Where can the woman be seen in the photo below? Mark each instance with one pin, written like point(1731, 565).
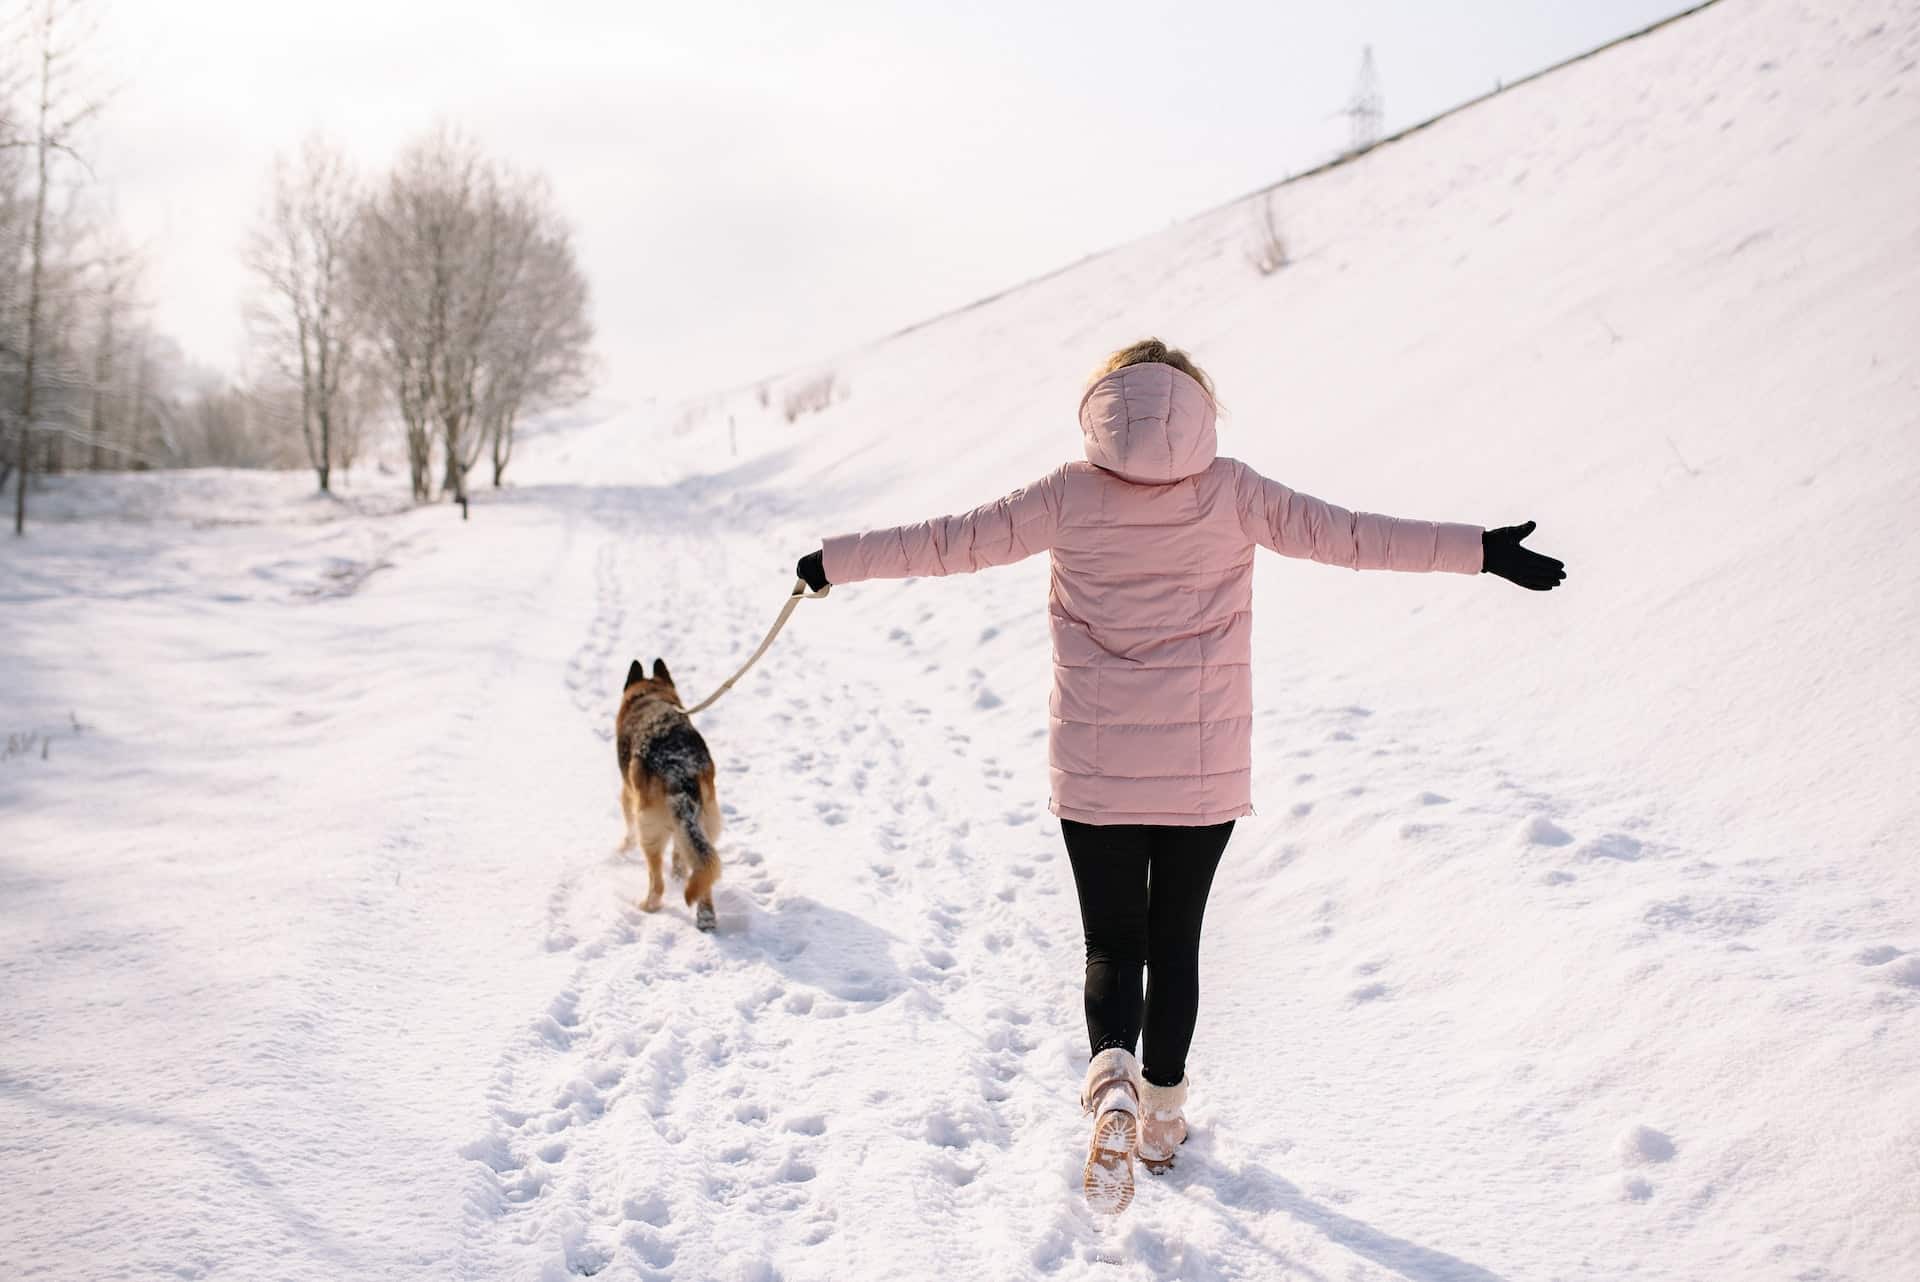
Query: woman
point(1150, 743)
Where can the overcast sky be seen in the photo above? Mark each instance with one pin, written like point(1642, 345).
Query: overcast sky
point(757, 185)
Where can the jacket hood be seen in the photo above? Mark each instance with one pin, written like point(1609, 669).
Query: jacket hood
point(1148, 423)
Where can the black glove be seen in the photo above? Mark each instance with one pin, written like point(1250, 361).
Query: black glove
point(1504, 556)
point(813, 570)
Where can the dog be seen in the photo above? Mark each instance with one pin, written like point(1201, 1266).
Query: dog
point(666, 789)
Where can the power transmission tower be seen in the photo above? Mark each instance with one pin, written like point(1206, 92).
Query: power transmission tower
point(1364, 110)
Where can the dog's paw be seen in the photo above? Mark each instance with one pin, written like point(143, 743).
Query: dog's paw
point(703, 917)
point(651, 904)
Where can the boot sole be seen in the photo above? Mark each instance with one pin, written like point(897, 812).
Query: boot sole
point(1108, 1179)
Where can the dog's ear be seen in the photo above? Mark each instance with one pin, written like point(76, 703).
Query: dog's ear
point(660, 672)
point(635, 675)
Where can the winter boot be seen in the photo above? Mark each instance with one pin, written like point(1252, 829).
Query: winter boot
point(1163, 1124)
point(1112, 1095)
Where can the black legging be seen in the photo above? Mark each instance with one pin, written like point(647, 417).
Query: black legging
point(1143, 890)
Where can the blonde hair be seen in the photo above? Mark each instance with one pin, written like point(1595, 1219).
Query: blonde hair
point(1153, 351)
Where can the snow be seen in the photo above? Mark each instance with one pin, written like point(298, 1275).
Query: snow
point(1576, 936)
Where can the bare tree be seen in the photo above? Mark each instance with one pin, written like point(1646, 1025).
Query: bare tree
point(141, 428)
point(299, 252)
point(360, 402)
point(474, 302)
point(410, 262)
point(537, 356)
point(118, 283)
point(500, 243)
point(56, 115)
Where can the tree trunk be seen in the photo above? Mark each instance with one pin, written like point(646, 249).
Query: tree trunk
point(419, 459)
point(102, 374)
point(326, 410)
point(325, 466)
point(137, 416)
point(502, 445)
point(456, 481)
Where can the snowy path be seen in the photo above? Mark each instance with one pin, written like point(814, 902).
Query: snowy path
point(886, 1025)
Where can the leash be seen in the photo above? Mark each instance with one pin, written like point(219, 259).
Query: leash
point(794, 598)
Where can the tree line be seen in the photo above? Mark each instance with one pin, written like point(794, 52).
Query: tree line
point(441, 300)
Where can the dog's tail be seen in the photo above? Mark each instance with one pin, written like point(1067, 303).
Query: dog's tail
point(703, 862)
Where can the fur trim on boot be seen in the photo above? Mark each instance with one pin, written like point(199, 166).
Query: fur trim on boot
point(1163, 1123)
point(1112, 1094)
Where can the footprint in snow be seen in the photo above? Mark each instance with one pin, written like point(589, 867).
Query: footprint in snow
point(794, 1171)
point(655, 1251)
point(1641, 1145)
point(585, 1258)
point(1612, 845)
point(1542, 831)
point(648, 1209)
point(1904, 972)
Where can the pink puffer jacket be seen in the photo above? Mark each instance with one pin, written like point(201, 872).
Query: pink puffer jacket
point(1152, 595)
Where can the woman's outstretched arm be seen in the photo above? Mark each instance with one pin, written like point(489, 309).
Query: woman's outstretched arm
point(1295, 524)
point(1008, 529)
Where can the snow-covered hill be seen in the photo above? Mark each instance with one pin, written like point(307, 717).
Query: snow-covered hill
point(1577, 936)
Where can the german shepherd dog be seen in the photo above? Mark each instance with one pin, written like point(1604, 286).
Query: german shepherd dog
point(666, 789)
